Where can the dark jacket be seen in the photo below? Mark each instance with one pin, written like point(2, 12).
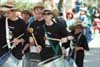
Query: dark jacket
point(17, 28)
point(79, 41)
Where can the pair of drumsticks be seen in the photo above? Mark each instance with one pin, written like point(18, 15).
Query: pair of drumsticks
point(12, 42)
point(31, 31)
point(33, 36)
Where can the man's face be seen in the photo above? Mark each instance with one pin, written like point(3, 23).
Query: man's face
point(38, 13)
point(47, 16)
point(10, 13)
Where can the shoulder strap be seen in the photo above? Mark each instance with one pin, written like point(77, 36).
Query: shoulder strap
point(54, 20)
point(71, 42)
point(54, 48)
point(7, 34)
point(79, 37)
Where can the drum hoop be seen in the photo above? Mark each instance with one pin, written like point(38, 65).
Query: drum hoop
point(50, 60)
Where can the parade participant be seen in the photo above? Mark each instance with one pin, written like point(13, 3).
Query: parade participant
point(70, 20)
point(26, 14)
point(84, 20)
point(37, 23)
point(96, 24)
point(60, 19)
point(34, 30)
point(96, 20)
point(79, 45)
point(11, 38)
point(78, 5)
point(54, 32)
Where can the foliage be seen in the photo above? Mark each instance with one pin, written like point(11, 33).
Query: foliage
point(99, 3)
point(60, 5)
point(24, 6)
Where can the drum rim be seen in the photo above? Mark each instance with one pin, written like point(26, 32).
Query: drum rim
point(50, 59)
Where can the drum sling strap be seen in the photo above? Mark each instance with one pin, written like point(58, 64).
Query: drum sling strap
point(55, 48)
point(73, 45)
point(76, 45)
point(7, 36)
point(74, 51)
point(5, 56)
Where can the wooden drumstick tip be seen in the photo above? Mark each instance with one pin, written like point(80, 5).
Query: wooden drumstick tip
point(30, 30)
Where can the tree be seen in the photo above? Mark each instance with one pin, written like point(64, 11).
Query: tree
point(60, 5)
point(99, 3)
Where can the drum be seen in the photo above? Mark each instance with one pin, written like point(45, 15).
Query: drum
point(57, 61)
point(31, 60)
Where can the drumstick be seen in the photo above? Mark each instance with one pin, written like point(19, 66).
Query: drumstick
point(54, 39)
point(11, 42)
point(31, 31)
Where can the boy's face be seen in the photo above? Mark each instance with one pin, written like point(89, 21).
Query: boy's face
point(78, 30)
point(25, 17)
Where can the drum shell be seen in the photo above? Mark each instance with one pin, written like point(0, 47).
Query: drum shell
point(31, 60)
point(57, 61)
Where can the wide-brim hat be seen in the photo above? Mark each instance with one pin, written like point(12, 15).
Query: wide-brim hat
point(76, 26)
point(7, 7)
point(79, 26)
point(39, 5)
point(48, 11)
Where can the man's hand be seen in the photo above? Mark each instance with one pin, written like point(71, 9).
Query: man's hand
point(64, 52)
point(16, 41)
point(79, 48)
point(31, 41)
point(70, 37)
point(23, 52)
point(64, 40)
point(38, 48)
